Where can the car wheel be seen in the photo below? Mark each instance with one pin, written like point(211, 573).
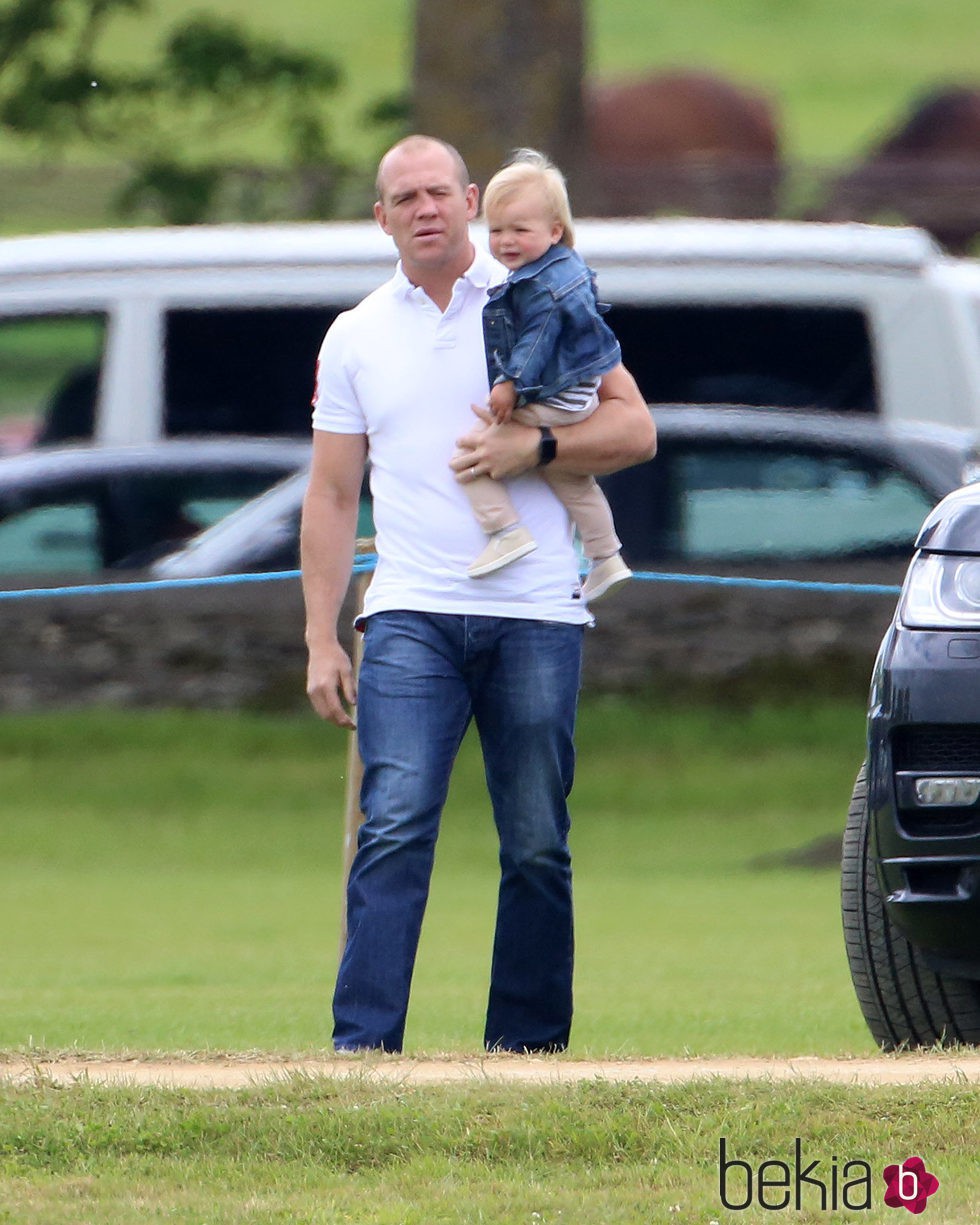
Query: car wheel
point(905, 1003)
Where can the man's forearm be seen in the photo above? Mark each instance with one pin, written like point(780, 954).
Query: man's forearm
point(614, 437)
point(326, 559)
point(619, 434)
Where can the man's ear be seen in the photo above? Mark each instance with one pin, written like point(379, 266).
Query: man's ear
point(380, 216)
point(472, 201)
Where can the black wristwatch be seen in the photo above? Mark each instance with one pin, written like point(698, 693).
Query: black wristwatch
point(547, 447)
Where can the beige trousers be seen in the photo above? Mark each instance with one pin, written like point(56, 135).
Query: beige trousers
point(580, 495)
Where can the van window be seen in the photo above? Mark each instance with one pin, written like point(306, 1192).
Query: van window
point(764, 502)
point(242, 371)
point(59, 537)
point(88, 523)
point(790, 356)
point(786, 504)
point(49, 375)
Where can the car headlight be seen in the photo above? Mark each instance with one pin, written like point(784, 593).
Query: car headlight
point(941, 591)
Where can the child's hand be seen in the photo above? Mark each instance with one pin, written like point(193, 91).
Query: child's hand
point(501, 401)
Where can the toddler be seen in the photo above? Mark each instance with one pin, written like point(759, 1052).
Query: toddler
point(547, 349)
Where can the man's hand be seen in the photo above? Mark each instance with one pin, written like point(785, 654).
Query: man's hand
point(330, 685)
point(495, 450)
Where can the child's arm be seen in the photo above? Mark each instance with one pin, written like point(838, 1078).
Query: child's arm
point(538, 320)
point(502, 400)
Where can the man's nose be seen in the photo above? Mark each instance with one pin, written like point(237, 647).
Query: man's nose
point(426, 202)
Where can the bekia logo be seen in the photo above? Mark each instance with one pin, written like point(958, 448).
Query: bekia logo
point(827, 1186)
point(793, 1184)
point(909, 1185)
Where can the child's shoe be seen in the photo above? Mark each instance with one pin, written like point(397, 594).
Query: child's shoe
point(604, 575)
point(503, 548)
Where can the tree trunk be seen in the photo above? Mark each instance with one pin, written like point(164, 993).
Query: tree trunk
point(495, 75)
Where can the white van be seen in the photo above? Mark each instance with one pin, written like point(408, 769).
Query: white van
point(126, 336)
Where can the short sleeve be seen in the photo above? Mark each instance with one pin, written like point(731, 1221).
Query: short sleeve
point(335, 403)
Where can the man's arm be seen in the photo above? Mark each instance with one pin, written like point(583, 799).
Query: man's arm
point(327, 535)
point(619, 434)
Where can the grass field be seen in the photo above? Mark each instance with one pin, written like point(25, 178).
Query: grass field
point(171, 882)
point(595, 1154)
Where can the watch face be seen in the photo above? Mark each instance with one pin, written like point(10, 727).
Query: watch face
point(547, 447)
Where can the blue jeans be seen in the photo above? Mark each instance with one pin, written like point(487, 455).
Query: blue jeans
point(423, 677)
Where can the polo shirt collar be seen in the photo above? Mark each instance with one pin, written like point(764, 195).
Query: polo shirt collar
point(483, 272)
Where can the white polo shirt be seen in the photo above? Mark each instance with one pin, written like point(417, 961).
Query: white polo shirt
point(403, 373)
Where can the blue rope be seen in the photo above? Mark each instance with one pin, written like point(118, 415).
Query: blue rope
point(365, 563)
point(788, 584)
point(163, 584)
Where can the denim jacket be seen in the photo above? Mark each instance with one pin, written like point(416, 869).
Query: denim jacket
point(542, 327)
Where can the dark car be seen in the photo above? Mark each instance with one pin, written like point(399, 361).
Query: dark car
point(911, 866)
point(75, 511)
point(728, 487)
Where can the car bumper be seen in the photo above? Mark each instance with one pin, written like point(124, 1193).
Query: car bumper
point(924, 726)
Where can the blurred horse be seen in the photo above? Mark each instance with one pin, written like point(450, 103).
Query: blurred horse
point(681, 141)
point(925, 172)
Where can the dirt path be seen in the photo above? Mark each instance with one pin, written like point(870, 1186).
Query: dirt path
point(233, 1072)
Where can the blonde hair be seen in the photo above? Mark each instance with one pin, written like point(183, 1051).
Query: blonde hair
point(529, 168)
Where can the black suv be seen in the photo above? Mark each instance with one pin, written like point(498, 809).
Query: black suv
point(911, 862)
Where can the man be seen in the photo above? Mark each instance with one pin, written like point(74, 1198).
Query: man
point(398, 379)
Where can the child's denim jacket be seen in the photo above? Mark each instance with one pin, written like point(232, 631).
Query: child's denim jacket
point(542, 327)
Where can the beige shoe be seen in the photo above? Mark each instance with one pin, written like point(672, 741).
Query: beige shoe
point(604, 575)
point(503, 548)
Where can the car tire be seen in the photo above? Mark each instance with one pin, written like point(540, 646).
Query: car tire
point(904, 1002)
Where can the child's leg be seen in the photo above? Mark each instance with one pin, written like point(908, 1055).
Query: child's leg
point(495, 513)
point(580, 495)
point(589, 511)
point(586, 505)
point(491, 504)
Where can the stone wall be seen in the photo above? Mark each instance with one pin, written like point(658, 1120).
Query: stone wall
point(241, 646)
point(738, 643)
